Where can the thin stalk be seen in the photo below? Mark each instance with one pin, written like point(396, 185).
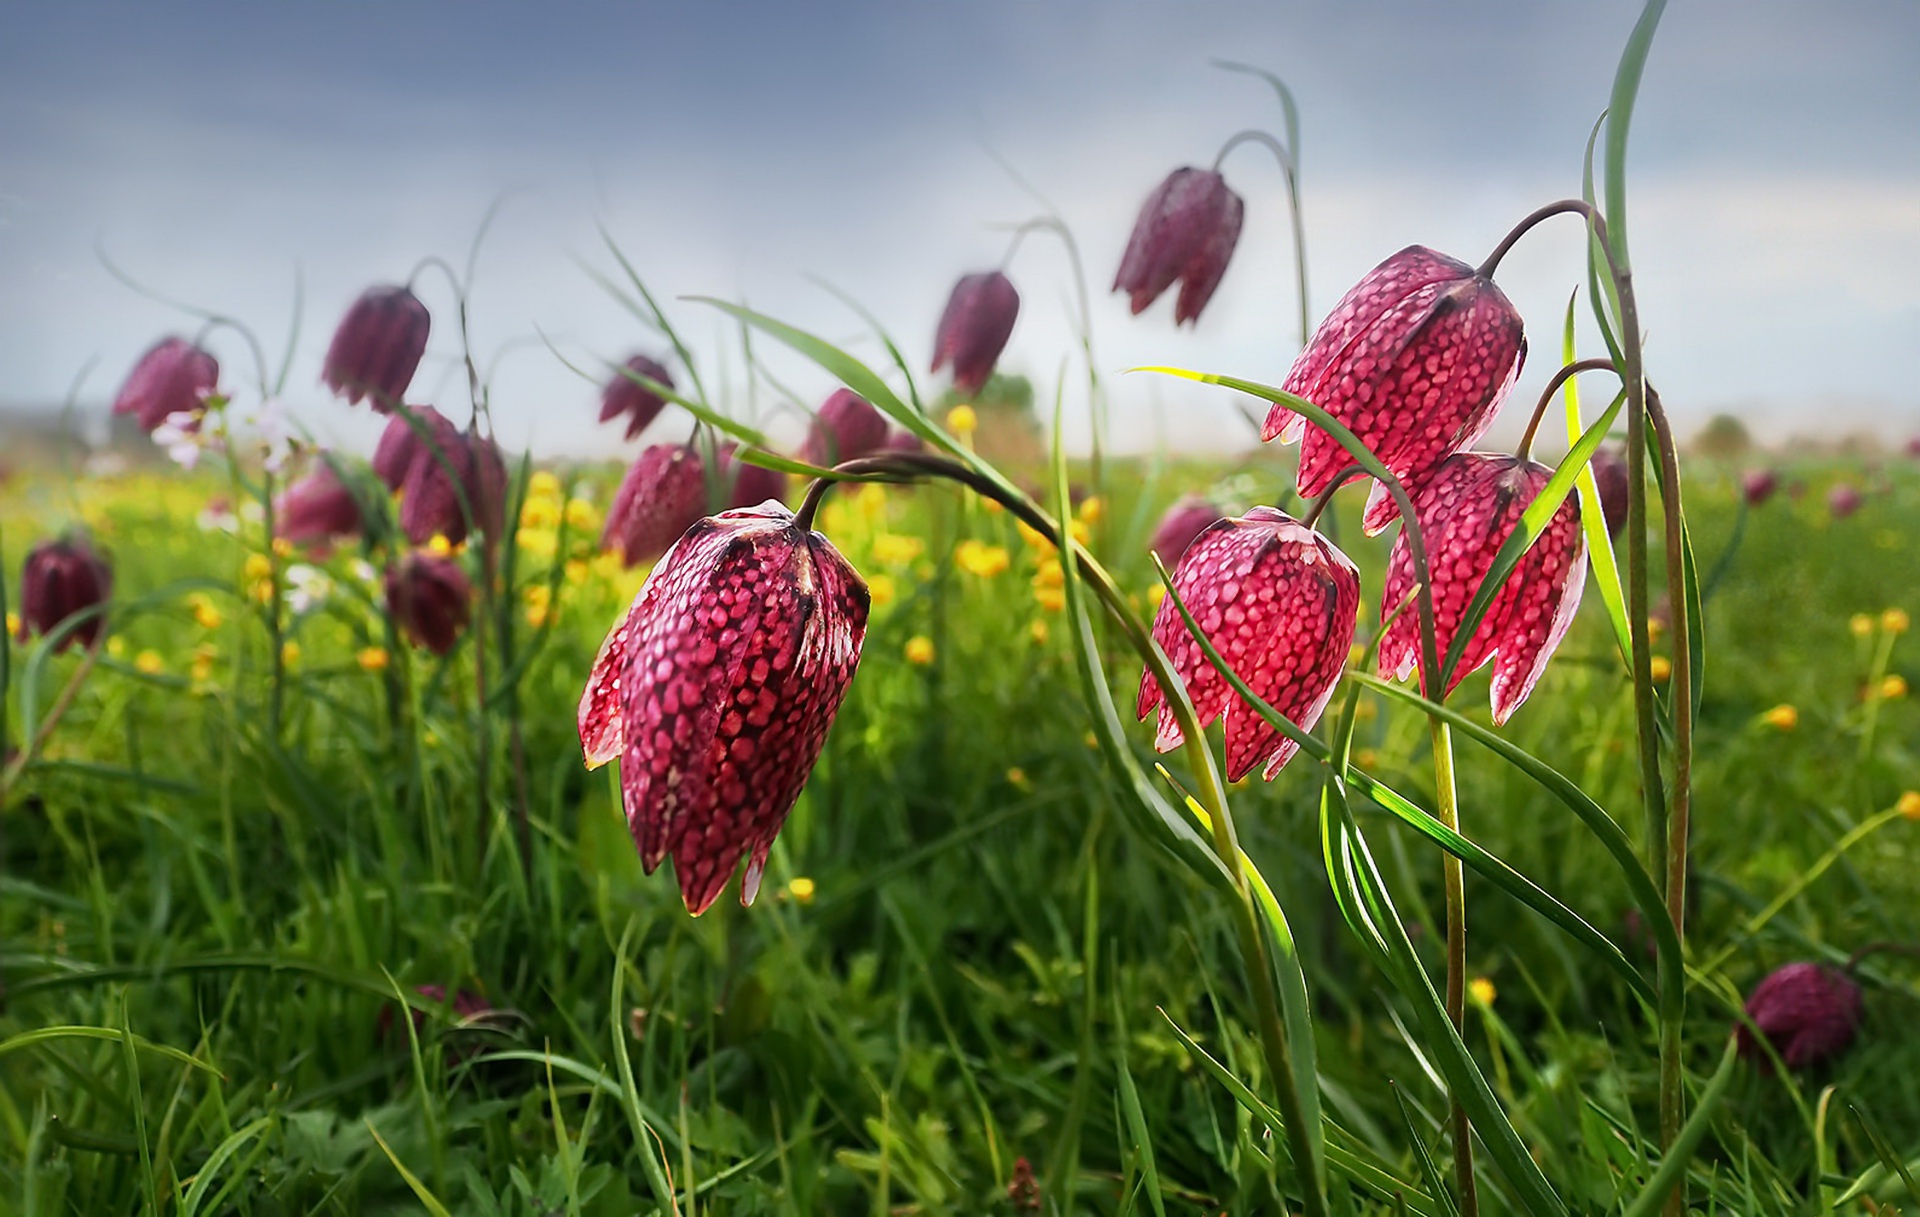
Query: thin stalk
point(1447, 808)
point(10, 774)
point(1678, 822)
point(1546, 397)
point(1288, 170)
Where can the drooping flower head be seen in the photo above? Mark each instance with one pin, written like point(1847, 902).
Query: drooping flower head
point(749, 485)
point(902, 440)
point(1758, 485)
point(975, 327)
point(846, 429)
point(663, 493)
point(1843, 500)
point(455, 482)
point(717, 689)
point(1809, 1012)
point(1610, 478)
point(624, 395)
point(1468, 508)
point(1415, 360)
point(61, 579)
point(429, 598)
point(1279, 602)
point(317, 509)
point(1186, 232)
point(408, 432)
point(173, 377)
point(377, 348)
point(1189, 516)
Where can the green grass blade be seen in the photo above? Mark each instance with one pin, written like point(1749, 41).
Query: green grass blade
point(1674, 1166)
point(427, 1199)
point(1601, 562)
point(204, 1177)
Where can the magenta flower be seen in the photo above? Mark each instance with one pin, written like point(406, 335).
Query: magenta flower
point(1610, 478)
point(1415, 361)
point(1190, 516)
point(1186, 231)
point(1280, 603)
point(749, 485)
point(453, 485)
point(664, 492)
point(1466, 512)
point(317, 509)
point(624, 395)
point(173, 377)
point(1843, 500)
point(1808, 1012)
point(717, 689)
point(377, 348)
point(402, 442)
point(1758, 485)
point(974, 328)
point(846, 429)
point(429, 598)
point(902, 440)
point(61, 579)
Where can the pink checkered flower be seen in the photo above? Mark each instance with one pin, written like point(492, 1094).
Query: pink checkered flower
point(625, 395)
point(63, 579)
point(663, 493)
point(377, 348)
point(717, 689)
point(749, 485)
point(1189, 516)
point(317, 509)
point(1279, 603)
point(1415, 361)
point(1466, 510)
point(454, 485)
point(846, 429)
point(975, 327)
point(173, 377)
point(430, 599)
point(1186, 232)
point(1808, 1012)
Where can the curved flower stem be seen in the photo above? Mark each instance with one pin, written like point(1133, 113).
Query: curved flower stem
point(10, 772)
point(1288, 169)
point(1553, 386)
point(1679, 821)
point(1096, 402)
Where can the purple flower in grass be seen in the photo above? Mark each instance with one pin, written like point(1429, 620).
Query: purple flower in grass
point(847, 428)
point(1843, 500)
point(1809, 1012)
point(1758, 485)
point(1186, 232)
point(1610, 478)
point(717, 688)
point(749, 485)
point(60, 580)
point(430, 599)
point(624, 395)
point(1466, 512)
point(377, 348)
point(975, 327)
point(1189, 516)
point(173, 377)
point(1414, 360)
point(663, 493)
point(317, 509)
point(1279, 602)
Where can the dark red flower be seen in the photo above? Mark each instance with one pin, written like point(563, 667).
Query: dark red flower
point(1913, 446)
point(1843, 500)
point(1186, 231)
point(1279, 603)
point(377, 348)
point(1467, 510)
point(1415, 360)
point(1190, 516)
point(664, 492)
point(902, 440)
point(1807, 1011)
point(846, 429)
point(1758, 485)
point(454, 484)
point(61, 579)
point(317, 509)
point(975, 327)
point(749, 485)
point(624, 395)
point(173, 377)
point(1610, 477)
point(717, 689)
point(429, 598)
point(407, 432)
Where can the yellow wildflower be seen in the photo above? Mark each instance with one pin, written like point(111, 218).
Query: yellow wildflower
point(880, 589)
point(991, 506)
point(1895, 621)
point(204, 611)
point(1156, 594)
point(116, 646)
point(1893, 687)
point(258, 566)
point(920, 650)
point(149, 662)
point(962, 421)
point(543, 485)
point(282, 547)
point(539, 512)
point(801, 889)
point(1782, 717)
point(1092, 508)
point(1366, 758)
point(1034, 538)
point(979, 558)
point(540, 542)
point(1481, 990)
point(1079, 531)
point(1661, 667)
point(1017, 777)
point(1038, 629)
point(374, 659)
point(1861, 624)
point(1909, 805)
point(1052, 599)
point(439, 545)
point(203, 657)
point(894, 549)
point(289, 652)
point(577, 572)
point(872, 501)
point(1049, 574)
point(608, 565)
point(13, 624)
point(582, 516)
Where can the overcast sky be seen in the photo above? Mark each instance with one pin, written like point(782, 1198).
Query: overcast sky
point(739, 150)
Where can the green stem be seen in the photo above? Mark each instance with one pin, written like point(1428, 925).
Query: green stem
point(1447, 808)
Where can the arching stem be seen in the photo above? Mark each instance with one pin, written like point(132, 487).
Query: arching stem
point(1553, 386)
point(1288, 168)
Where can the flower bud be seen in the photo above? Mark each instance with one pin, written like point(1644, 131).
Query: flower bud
point(1810, 1013)
point(317, 509)
point(454, 482)
point(1186, 231)
point(902, 440)
point(625, 395)
point(1610, 476)
point(1843, 500)
point(1190, 516)
point(749, 485)
point(664, 492)
point(846, 429)
point(61, 579)
point(173, 377)
point(377, 348)
point(429, 597)
point(1758, 485)
point(974, 328)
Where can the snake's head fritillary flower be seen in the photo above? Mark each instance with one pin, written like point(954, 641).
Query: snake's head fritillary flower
point(1843, 500)
point(429, 598)
point(1466, 510)
point(974, 328)
point(454, 484)
point(1186, 232)
point(1809, 1012)
point(410, 431)
point(749, 485)
point(663, 493)
point(625, 395)
point(1279, 602)
point(173, 377)
point(1189, 516)
point(1758, 485)
point(717, 688)
point(377, 348)
point(62, 578)
point(1415, 360)
point(317, 509)
point(846, 429)
point(903, 440)
point(1610, 478)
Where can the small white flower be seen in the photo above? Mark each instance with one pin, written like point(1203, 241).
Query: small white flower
point(182, 437)
point(307, 587)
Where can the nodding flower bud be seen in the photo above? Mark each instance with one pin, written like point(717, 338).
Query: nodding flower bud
point(1610, 478)
point(173, 377)
point(61, 579)
point(317, 509)
point(749, 485)
point(625, 395)
point(717, 688)
point(429, 598)
point(664, 492)
point(377, 348)
point(1279, 602)
point(1415, 361)
point(408, 430)
point(1466, 511)
point(1808, 1012)
point(455, 483)
point(902, 440)
point(1186, 232)
point(1843, 500)
point(846, 429)
point(974, 328)
point(1758, 485)
point(1190, 516)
